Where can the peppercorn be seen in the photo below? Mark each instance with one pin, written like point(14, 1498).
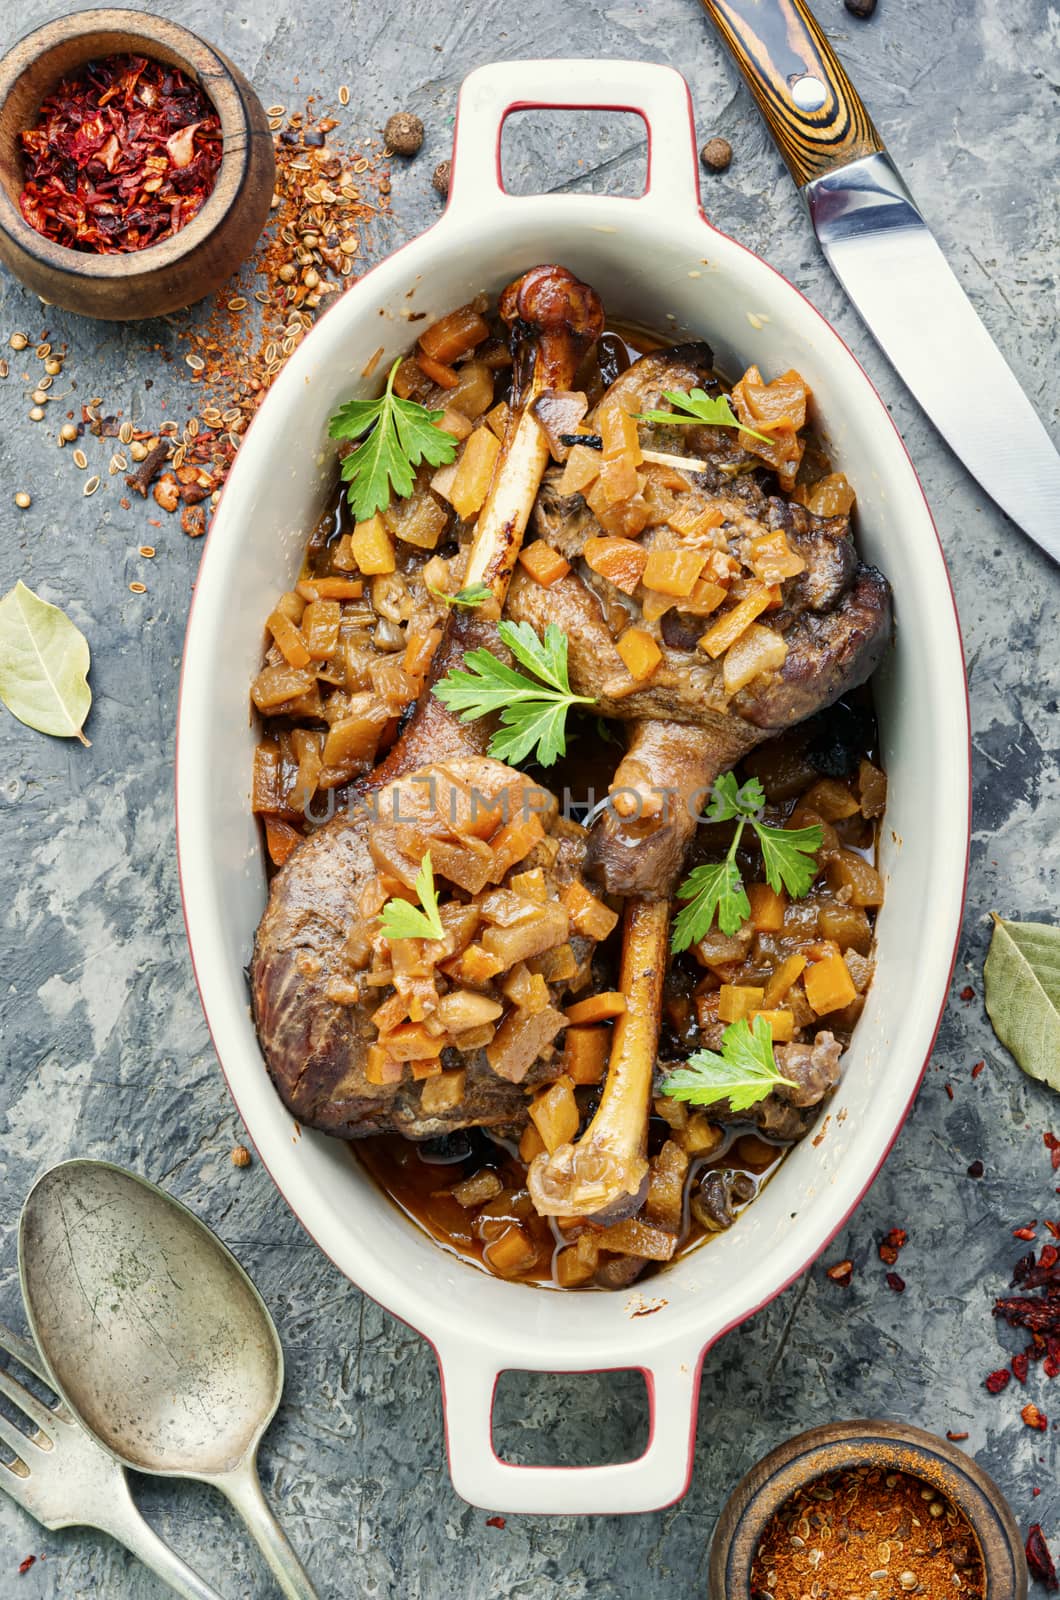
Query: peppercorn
point(403, 133)
point(22, 500)
point(716, 154)
point(241, 1156)
point(440, 180)
point(860, 8)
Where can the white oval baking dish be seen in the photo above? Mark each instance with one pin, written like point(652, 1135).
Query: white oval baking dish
point(656, 261)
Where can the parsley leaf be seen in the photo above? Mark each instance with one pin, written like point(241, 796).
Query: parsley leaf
point(744, 1073)
point(533, 710)
point(400, 435)
point(709, 889)
point(698, 407)
point(400, 920)
point(473, 595)
point(789, 856)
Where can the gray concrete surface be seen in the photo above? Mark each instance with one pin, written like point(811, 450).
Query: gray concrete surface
point(104, 1051)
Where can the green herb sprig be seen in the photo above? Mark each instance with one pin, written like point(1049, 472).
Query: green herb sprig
point(400, 920)
point(533, 709)
point(744, 1073)
point(696, 408)
point(397, 435)
point(788, 855)
point(474, 595)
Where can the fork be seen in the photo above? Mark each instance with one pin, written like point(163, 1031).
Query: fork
point(65, 1479)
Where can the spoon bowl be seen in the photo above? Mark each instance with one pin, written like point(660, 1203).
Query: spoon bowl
point(155, 1336)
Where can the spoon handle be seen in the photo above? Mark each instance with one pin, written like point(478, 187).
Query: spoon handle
point(243, 1489)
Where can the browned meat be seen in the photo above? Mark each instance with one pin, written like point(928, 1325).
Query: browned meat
point(312, 1008)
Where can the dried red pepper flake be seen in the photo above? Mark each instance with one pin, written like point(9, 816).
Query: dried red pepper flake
point(123, 154)
point(996, 1381)
point(955, 1438)
point(1033, 1417)
point(1027, 1233)
point(24, 1566)
point(1020, 1366)
point(1054, 1229)
point(949, 1089)
point(967, 993)
point(892, 1242)
point(841, 1272)
point(978, 1068)
point(976, 1169)
point(1051, 1366)
point(1052, 1144)
point(896, 1283)
point(496, 1522)
point(1039, 1561)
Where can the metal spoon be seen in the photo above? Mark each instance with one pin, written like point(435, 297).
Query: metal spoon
point(155, 1337)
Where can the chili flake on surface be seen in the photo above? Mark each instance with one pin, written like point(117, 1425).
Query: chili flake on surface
point(1039, 1560)
point(866, 1529)
point(123, 155)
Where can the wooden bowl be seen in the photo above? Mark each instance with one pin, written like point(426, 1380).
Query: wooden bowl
point(840, 1446)
point(178, 270)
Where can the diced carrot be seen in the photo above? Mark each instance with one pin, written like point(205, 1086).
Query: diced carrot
point(738, 1000)
point(372, 546)
point(531, 885)
point(583, 465)
point(510, 1254)
point(423, 1067)
point(831, 799)
point(636, 1238)
point(829, 986)
point(640, 653)
point(411, 1042)
point(545, 565)
point(690, 518)
point(706, 597)
point(772, 559)
point(419, 650)
point(588, 914)
point(619, 433)
point(554, 1112)
point(531, 1144)
point(573, 1269)
point(320, 628)
point(281, 839)
point(453, 335)
point(618, 479)
point(757, 650)
point(330, 588)
point(781, 1024)
point(767, 907)
point(443, 1091)
point(289, 640)
point(471, 484)
point(437, 371)
point(474, 965)
point(788, 973)
point(380, 1068)
point(514, 841)
point(585, 1053)
point(729, 627)
point(620, 561)
point(598, 1007)
point(673, 571)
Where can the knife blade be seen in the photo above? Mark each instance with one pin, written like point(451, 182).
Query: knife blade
point(888, 261)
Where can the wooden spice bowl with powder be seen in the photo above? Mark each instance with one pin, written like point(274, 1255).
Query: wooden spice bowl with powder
point(867, 1511)
point(213, 229)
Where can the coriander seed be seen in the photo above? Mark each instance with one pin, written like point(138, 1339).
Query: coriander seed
point(36, 414)
point(18, 341)
point(23, 500)
point(241, 1156)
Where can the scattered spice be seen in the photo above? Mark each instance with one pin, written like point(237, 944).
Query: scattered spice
point(1039, 1560)
point(403, 133)
point(891, 1243)
point(896, 1283)
point(1052, 1144)
point(860, 8)
point(1026, 1233)
point(842, 1273)
point(1020, 1365)
point(1034, 1418)
point(25, 1565)
point(241, 1156)
point(978, 1068)
point(442, 177)
point(976, 1169)
point(864, 1530)
point(716, 155)
point(123, 154)
point(967, 993)
point(995, 1382)
point(955, 1438)
point(23, 501)
point(949, 1090)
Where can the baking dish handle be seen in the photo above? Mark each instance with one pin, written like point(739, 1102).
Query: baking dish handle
point(653, 1480)
point(657, 94)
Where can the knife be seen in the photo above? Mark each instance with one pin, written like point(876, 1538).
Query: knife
point(888, 261)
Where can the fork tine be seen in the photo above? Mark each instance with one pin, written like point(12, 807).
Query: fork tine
point(24, 1352)
point(39, 1414)
point(18, 1441)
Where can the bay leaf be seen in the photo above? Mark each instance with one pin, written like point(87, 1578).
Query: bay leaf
point(44, 664)
point(1022, 982)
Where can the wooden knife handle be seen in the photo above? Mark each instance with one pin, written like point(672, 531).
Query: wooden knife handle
point(786, 59)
